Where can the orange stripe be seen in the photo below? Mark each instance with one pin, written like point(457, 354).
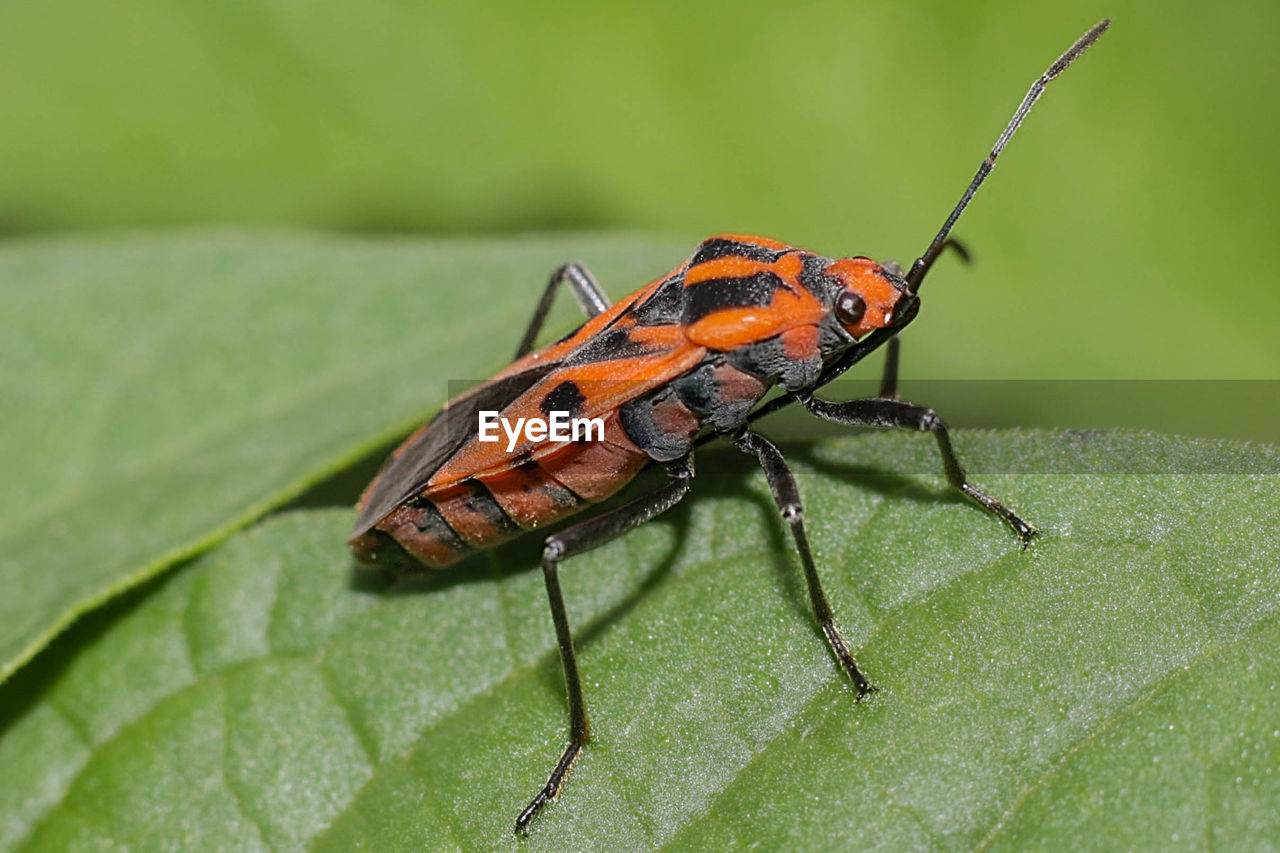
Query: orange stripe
point(730, 266)
point(862, 276)
point(530, 496)
point(597, 469)
point(735, 327)
point(800, 343)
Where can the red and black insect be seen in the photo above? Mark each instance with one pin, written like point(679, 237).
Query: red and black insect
point(682, 360)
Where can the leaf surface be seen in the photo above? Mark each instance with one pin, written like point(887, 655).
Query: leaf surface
point(1115, 686)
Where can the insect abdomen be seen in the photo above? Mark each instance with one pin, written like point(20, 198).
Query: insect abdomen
point(445, 523)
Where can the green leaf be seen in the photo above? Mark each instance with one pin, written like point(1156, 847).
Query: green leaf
point(1112, 687)
point(161, 391)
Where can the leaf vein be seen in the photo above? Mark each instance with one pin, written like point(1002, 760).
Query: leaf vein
point(1109, 721)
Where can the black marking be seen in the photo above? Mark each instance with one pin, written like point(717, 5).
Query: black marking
point(434, 524)
point(900, 284)
point(612, 345)
point(719, 247)
point(564, 497)
point(482, 502)
point(641, 426)
point(565, 397)
point(378, 549)
point(763, 359)
point(832, 337)
point(662, 308)
point(815, 278)
point(697, 389)
point(715, 294)
point(768, 360)
point(701, 391)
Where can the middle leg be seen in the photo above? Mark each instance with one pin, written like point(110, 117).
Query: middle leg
point(560, 546)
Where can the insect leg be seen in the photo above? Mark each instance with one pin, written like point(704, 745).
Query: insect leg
point(560, 546)
point(889, 379)
point(879, 412)
point(787, 497)
point(590, 297)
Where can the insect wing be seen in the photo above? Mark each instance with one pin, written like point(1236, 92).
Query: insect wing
point(588, 384)
point(421, 455)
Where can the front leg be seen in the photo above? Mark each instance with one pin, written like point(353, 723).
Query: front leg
point(786, 494)
point(886, 413)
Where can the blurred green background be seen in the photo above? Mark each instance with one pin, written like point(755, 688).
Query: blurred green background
point(1129, 233)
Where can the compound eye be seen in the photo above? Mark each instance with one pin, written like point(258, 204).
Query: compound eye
point(850, 308)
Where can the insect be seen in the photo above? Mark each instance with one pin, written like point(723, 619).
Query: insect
point(684, 359)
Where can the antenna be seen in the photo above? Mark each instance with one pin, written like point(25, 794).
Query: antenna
point(921, 267)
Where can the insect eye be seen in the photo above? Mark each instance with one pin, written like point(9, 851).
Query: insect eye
point(850, 308)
